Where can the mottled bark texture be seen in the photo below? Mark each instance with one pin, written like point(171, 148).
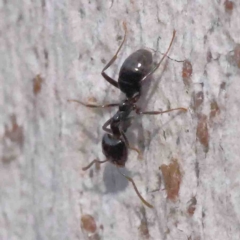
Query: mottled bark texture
point(52, 51)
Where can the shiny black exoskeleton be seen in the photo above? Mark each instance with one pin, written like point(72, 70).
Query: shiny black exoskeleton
point(114, 149)
point(114, 143)
point(134, 71)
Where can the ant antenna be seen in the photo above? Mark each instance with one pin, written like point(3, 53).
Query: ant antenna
point(95, 161)
point(163, 53)
point(135, 188)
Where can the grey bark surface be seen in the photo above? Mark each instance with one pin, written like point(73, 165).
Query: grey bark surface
point(52, 51)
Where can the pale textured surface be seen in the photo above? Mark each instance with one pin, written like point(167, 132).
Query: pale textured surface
point(45, 141)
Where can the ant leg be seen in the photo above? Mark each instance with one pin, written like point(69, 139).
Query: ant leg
point(130, 147)
point(93, 162)
point(151, 72)
point(166, 55)
point(107, 78)
point(135, 188)
point(104, 127)
point(94, 105)
point(159, 112)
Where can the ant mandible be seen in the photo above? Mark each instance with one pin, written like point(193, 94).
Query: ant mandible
point(133, 73)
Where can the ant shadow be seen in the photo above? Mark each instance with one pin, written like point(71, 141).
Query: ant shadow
point(113, 180)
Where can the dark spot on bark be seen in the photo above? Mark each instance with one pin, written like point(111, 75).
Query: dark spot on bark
point(197, 100)
point(192, 206)
point(214, 109)
point(143, 227)
point(88, 223)
point(103, 61)
point(7, 159)
point(237, 55)
point(37, 84)
point(229, 5)
point(202, 131)
point(223, 86)
point(172, 179)
point(12, 138)
point(91, 173)
point(15, 133)
point(119, 38)
point(187, 72)
point(209, 56)
point(82, 13)
point(45, 52)
point(197, 170)
point(20, 18)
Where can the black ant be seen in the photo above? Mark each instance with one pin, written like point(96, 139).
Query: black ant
point(133, 73)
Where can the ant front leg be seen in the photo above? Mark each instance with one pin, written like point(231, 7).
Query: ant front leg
point(94, 105)
point(107, 78)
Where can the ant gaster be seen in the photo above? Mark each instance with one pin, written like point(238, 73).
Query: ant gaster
point(133, 73)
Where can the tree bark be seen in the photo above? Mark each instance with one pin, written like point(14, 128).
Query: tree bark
point(53, 51)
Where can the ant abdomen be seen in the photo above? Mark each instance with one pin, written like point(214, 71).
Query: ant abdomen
point(133, 70)
point(114, 149)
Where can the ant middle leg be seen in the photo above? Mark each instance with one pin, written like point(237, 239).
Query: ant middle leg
point(94, 105)
point(138, 111)
point(165, 55)
point(107, 78)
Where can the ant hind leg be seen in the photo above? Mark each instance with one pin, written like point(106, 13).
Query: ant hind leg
point(95, 161)
point(135, 188)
